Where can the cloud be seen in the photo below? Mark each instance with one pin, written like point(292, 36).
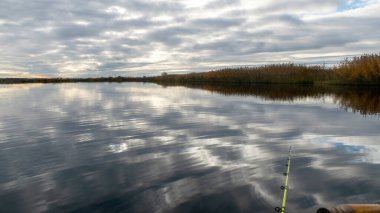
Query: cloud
point(171, 36)
point(45, 36)
point(222, 3)
point(73, 31)
point(219, 23)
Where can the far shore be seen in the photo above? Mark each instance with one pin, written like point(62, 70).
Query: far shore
point(362, 70)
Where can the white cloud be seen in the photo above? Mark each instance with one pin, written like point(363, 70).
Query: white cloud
point(72, 38)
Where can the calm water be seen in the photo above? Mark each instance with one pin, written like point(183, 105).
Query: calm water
point(135, 147)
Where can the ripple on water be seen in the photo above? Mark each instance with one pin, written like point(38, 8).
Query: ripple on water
point(144, 148)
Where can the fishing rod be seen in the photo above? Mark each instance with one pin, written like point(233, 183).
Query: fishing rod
point(285, 187)
point(344, 208)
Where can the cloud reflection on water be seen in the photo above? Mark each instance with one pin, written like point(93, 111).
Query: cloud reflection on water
point(143, 148)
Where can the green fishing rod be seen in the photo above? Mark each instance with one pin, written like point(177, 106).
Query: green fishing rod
point(285, 187)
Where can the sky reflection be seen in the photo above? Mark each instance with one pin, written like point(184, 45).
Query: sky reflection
point(144, 148)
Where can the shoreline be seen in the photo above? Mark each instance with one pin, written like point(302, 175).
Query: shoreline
point(167, 81)
point(359, 71)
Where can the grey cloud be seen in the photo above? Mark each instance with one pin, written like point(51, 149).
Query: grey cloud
point(137, 23)
point(358, 27)
point(73, 31)
point(45, 11)
point(217, 4)
point(49, 34)
point(123, 49)
point(283, 43)
point(294, 35)
point(112, 66)
point(233, 47)
point(285, 18)
point(171, 36)
point(324, 40)
point(220, 23)
point(298, 5)
point(132, 42)
point(157, 7)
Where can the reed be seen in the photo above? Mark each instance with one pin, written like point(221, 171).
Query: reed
point(364, 69)
point(360, 70)
point(276, 73)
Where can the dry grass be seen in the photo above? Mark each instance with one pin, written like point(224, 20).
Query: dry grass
point(279, 73)
point(364, 69)
point(359, 70)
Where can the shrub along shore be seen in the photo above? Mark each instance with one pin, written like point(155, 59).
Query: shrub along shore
point(362, 70)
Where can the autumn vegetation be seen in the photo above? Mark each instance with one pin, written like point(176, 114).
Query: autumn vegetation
point(354, 84)
point(362, 70)
point(277, 73)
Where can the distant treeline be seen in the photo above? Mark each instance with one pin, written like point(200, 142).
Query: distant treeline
point(360, 70)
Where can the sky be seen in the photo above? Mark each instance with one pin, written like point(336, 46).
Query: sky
point(78, 38)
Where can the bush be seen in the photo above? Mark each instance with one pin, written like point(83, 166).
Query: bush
point(362, 69)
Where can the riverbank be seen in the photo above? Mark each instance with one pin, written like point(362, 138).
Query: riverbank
point(362, 70)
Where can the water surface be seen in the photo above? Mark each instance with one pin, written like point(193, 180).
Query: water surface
point(134, 147)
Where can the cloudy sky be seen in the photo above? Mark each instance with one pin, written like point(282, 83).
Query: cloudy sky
point(72, 38)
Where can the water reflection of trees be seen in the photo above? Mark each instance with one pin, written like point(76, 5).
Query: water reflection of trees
point(364, 100)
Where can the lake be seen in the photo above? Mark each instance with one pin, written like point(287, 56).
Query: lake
point(134, 147)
